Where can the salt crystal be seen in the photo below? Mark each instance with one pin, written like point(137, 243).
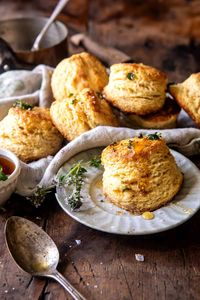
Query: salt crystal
point(6, 291)
point(139, 257)
point(101, 263)
point(87, 284)
point(13, 288)
point(95, 286)
point(78, 242)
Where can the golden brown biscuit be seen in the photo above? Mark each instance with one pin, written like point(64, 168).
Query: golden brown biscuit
point(187, 94)
point(80, 113)
point(140, 174)
point(136, 88)
point(77, 72)
point(30, 134)
point(166, 117)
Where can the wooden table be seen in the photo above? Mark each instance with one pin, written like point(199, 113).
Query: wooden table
point(164, 34)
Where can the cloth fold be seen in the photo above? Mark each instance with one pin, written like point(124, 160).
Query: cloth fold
point(34, 87)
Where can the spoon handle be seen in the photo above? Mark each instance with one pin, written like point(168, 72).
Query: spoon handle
point(55, 13)
point(67, 286)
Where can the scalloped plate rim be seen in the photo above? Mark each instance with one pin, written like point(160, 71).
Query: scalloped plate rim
point(73, 215)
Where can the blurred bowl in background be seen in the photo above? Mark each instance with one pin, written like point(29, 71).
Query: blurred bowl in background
point(20, 34)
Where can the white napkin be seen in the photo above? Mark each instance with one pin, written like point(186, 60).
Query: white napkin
point(34, 88)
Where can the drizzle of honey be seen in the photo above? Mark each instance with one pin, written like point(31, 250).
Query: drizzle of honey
point(8, 166)
point(147, 215)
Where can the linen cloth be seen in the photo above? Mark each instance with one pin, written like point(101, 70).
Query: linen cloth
point(34, 88)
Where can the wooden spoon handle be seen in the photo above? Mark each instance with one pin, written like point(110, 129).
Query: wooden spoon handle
point(106, 54)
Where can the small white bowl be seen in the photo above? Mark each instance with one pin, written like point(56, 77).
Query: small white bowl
point(8, 186)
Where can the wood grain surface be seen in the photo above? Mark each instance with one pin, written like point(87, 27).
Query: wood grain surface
point(164, 34)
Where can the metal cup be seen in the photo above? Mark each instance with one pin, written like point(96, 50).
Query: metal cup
point(20, 34)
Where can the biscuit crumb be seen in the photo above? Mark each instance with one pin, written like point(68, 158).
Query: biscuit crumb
point(139, 257)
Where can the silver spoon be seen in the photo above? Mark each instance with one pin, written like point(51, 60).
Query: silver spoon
point(35, 252)
point(55, 13)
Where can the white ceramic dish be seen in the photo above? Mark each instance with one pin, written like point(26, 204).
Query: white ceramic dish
point(99, 214)
point(8, 186)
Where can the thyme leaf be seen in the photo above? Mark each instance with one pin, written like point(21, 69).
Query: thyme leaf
point(131, 76)
point(22, 105)
point(95, 162)
point(154, 136)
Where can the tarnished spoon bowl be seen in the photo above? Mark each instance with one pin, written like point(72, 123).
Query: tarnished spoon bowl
point(35, 252)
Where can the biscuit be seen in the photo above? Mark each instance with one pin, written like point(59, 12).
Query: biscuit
point(77, 72)
point(166, 117)
point(30, 134)
point(80, 113)
point(136, 88)
point(187, 94)
point(140, 174)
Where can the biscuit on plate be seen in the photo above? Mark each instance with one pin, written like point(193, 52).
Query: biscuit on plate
point(81, 112)
point(29, 133)
point(140, 174)
point(136, 88)
point(77, 72)
point(166, 117)
point(187, 94)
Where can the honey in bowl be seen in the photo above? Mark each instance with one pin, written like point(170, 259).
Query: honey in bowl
point(7, 166)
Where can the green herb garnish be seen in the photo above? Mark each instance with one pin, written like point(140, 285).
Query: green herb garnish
point(95, 162)
point(74, 177)
point(22, 105)
point(154, 136)
point(100, 95)
point(3, 176)
point(130, 144)
point(40, 194)
point(131, 76)
point(71, 94)
point(125, 188)
point(74, 101)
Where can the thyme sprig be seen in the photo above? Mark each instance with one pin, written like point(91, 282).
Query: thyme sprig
point(74, 177)
point(39, 195)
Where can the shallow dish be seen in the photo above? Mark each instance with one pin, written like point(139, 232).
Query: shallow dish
point(99, 214)
point(8, 186)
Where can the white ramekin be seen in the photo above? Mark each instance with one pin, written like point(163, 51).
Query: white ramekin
point(8, 186)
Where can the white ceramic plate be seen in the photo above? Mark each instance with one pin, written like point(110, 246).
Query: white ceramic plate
point(99, 214)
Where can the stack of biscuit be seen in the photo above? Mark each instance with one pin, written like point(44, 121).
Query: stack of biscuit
point(77, 83)
point(140, 92)
point(86, 96)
